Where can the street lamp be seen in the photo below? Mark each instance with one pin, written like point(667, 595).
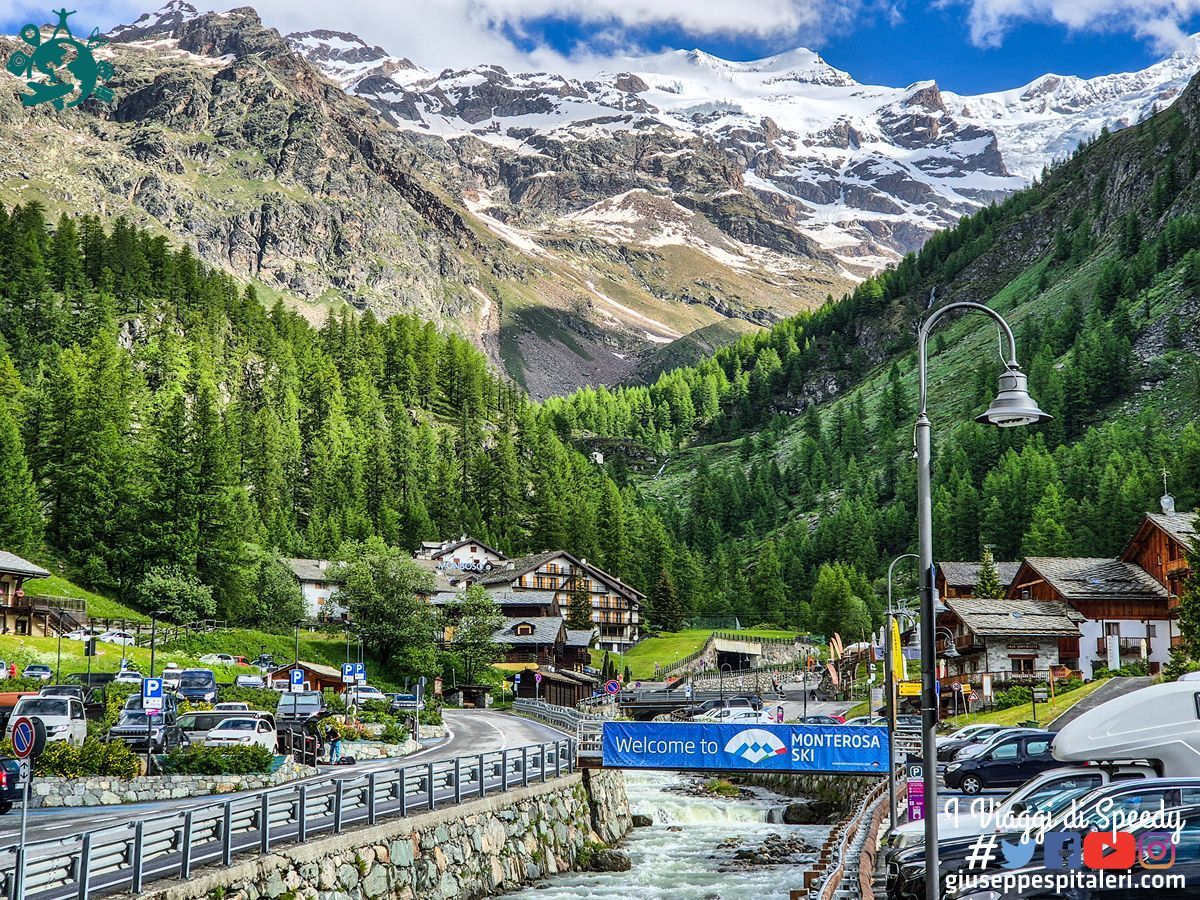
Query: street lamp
point(1013, 406)
point(889, 675)
point(58, 665)
point(722, 679)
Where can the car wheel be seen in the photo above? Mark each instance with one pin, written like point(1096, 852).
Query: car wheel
point(5, 807)
point(971, 784)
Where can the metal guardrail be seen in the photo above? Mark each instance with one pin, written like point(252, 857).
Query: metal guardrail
point(585, 727)
point(126, 856)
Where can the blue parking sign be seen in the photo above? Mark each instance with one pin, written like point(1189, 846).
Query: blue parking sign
point(360, 673)
point(347, 673)
point(152, 694)
point(297, 679)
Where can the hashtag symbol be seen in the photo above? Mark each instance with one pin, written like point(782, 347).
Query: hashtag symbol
point(983, 851)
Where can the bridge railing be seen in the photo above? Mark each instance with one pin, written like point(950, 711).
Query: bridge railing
point(585, 727)
point(124, 857)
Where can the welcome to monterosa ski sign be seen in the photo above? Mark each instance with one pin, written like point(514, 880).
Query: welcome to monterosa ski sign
point(767, 748)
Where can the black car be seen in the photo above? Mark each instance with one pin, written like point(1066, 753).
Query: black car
point(161, 732)
point(1007, 763)
point(819, 720)
point(947, 750)
point(10, 783)
point(1179, 859)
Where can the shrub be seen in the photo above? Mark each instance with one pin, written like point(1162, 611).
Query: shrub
point(432, 713)
point(93, 757)
point(1017, 695)
point(115, 695)
point(394, 734)
point(335, 703)
point(197, 760)
point(721, 787)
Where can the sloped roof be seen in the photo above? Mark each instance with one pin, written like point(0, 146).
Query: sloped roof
point(505, 596)
point(580, 637)
point(1091, 578)
point(966, 574)
point(1181, 526)
point(11, 564)
point(441, 583)
point(989, 616)
point(440, 549)
point(513, 569)
point(319, 668)
point(310, 569)
point(545, 630)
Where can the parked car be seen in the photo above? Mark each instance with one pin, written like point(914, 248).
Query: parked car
point(1184, 864)
point(197, 725)
point(80, 634)
point(63, 717)
point(169, 702)
point(908, 721)
point(231, 706)
point(242, 731)
point(872, 721)
point(359, 694)
point(265, 662)
point(161, 730)
point(299, 706)
point(128, 676)
point(118, 637)
point(198, 685)
point(977, 748)
point(38, 671)
point(1007, 762)
point(171, 674)
point(11, 791)
point(219, 659)
point(819, 720)
point(405, 703)
point(249, 681)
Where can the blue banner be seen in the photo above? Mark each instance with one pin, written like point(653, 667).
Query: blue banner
point(773, 748)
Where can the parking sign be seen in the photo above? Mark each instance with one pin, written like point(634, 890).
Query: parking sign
point(360, 673)
point(347, 673)
point(152, 694)
point(297, 679)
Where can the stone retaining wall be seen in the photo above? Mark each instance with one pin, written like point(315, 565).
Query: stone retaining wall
point(101, 791)
point(472, 850)
point(361, 750)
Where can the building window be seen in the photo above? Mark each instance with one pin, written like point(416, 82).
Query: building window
point(1151, 631)
point(524, 628)
point(1112, 629)
point(1022, 665)
point(474, 549)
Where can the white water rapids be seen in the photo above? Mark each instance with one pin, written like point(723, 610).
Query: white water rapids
point(685, 864)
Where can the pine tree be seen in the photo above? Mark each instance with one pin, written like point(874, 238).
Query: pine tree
point(666, 603)
point(20, 514)
point(989, 585)
point(1047, 536)
point(579, 611)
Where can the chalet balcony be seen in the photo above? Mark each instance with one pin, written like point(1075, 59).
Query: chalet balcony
point(1126, 646)
point(963, 643)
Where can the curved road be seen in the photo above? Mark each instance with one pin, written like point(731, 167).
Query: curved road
point(471, 732)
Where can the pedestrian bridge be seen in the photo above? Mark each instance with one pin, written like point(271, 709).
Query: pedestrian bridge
point(718, 747)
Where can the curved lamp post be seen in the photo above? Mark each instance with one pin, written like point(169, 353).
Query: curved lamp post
point(1013, 406)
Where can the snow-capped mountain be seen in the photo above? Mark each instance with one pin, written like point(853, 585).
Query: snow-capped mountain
point(866, 171)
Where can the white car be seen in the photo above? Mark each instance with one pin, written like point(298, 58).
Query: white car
point(220, 659)
point(963, 734)
point(118, 637)
point(737, 714)
point(242, 731)
point(128, 676)
point(80, 634)
point(250, 681)
point(361, 693)
point(63, 717)
point(232, 706)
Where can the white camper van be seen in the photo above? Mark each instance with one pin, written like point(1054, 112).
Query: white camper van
point(1159, 724)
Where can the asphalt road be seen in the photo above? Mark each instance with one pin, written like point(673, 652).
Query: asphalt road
point(471, 732)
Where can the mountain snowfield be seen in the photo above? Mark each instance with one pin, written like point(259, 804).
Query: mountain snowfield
point(866, 171)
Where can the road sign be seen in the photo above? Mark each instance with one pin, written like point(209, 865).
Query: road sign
point(910, 689)
point(23, 770)
point(23, 737)
point(517, 678)
point(612, 686)
point(537, 676)
point(347, 673)
point(916, 791)
point(152, 695)
point(779, 714)
point(297, 679)
point(360, 673)
point(974, 697)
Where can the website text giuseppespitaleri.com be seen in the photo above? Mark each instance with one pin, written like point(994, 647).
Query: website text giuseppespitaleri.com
point(1015, 883)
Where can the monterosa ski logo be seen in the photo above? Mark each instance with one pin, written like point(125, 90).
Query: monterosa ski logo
point(755, 745)
point(60, 70)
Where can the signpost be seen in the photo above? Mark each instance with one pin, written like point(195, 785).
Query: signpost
point(296, 682)
point(910, 688)
point(152, 704)
point(612, 687)
point(916, 791)
point(347, 673)
point(537, 683)
point(28, 740)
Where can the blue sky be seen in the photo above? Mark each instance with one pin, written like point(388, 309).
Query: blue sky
point(968, 46)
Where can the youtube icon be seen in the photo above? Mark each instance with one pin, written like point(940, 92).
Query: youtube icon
point(1109, 850)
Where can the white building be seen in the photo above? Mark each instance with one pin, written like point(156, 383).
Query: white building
point(466, 554)
point(317, 587)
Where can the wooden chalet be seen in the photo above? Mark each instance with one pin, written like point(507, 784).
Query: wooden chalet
point(1161, 546)
point(958, 579)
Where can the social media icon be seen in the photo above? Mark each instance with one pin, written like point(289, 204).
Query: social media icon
point(1109, 850)
point(1062, 850)
point(1156, 850)
point(1018, 855)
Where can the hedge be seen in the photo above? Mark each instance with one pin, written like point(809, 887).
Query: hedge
point(198, 760)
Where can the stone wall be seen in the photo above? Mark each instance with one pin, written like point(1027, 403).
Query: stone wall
point(361, 750)
point(472, 850)
point(101, 791)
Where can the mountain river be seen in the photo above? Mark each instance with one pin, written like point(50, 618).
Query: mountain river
point(695, 862)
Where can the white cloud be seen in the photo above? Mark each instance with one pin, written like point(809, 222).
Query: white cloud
point(440, 33)
point(1159, 21)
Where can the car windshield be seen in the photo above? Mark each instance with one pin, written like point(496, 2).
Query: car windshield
point(45, 706)
point(37, 668)
point(237, 725)
point(132, 717)
point(195, 679)
point(201, 721)
point(60, 691)
point(1052, 805)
